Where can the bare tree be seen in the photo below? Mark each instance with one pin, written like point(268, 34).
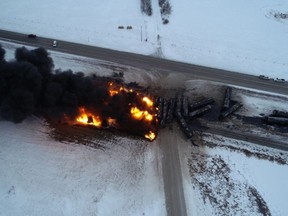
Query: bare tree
point(146, 7)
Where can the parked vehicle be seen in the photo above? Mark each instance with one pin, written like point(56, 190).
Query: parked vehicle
point(279, 80)
point(54, 43)
point(264, 77)
point(31, 35)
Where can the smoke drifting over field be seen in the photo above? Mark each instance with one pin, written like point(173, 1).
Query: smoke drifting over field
point(21, 82)
point(29, 85)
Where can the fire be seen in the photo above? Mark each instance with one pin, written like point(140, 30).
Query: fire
point(88, 118)
point(134, 106)
point(112, 122)
point(113, 92)
point(113, 89)
point(151, 136)
point(148, 101)
point(139, 114)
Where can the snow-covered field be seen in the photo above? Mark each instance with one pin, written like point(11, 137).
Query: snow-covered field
point(230, 177)
point(244, 36)
point(44, 176)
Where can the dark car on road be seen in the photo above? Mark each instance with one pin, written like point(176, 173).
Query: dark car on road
point(264, 77)
point(32, 36)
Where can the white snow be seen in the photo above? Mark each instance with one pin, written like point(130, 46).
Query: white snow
point(241, 36)
point(257, 103)
point(38, 170)
point(268, 177)
point(41, 176)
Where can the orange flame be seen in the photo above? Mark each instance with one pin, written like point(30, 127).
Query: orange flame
point(148, 101)
point(116, 89)
point(88, 118)
point(139, 114)
point(112, 122)
point(151, 136)
point(113, 92)
point(146, 112)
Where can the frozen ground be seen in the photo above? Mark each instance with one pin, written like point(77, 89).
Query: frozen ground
point(227, 177)
point(212, 33)
point(42, 176)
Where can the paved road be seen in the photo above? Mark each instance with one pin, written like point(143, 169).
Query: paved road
point(171, 165)
point(149, 62)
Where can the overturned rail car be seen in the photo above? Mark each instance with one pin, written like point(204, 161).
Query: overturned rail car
point(278, 113)
point(201, 104)
point(231, 110)
point(183, 125)
point(200, 111)
point(276, 120)
point(227, 98)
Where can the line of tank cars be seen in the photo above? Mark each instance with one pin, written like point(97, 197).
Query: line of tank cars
point(277, 117)
point(183, 111)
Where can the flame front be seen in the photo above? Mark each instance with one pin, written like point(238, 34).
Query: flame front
point(148, 101)
point(151, 136)
point(139, 114)
point(88, 118)
point(114, 89)
point(139, 107)
point(113, 92)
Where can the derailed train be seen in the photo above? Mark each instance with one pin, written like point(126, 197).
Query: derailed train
point(183, 111)
point(229, 106)
point(277, 118)
point(180, 109)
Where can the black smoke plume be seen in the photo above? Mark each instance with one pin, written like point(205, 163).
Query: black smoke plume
point(30, 85)
point(2, 53)
point(20, 87)
point(37, 57)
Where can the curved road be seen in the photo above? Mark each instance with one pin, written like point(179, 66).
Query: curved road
point(149, 62)
point(175, 202)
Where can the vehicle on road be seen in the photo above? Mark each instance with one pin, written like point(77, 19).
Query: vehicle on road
point(279, 80)
point(54, 43)
point(31, 35)
point(264, 77)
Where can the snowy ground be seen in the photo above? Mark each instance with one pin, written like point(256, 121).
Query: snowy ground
point(42, 176)
point(124, 176)
point(228, 177)
point(46, 172)
point(212, 33)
